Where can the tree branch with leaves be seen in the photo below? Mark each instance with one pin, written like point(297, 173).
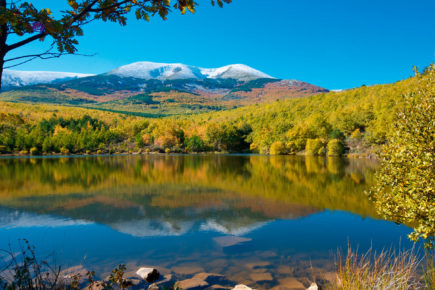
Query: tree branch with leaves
point(29, 24)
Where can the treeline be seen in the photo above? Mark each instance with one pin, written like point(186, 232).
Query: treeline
point(55, 135)
point(335, 123)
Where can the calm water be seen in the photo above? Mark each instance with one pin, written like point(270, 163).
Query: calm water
point(234, 215)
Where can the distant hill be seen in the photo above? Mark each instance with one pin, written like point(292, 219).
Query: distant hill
point(156, 89)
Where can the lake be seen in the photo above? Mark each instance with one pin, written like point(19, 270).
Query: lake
point(237, 215)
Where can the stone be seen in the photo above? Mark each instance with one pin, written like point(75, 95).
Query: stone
point(258, 265)
point(285, 270)
point(192, 284)
point(242, 287)
point(148, 274)
point(229, 241)
point(212, 278)
point(219, 287)
point(77, 272)
point(314, 286)
point(261, 277)
point(289, 284)
point(330, 277)
point(187, 269)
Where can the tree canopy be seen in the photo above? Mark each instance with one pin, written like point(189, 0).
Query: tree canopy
point(405, 191)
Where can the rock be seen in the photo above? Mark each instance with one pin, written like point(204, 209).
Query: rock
point(285, 270)
point(78, 273)
point(192, 284)
point(259, 266)
point(289, 284)
point(148, 274)
point(219, 287)
point(187, 270)
point(314, 286)
point(229, 241)
point(242, 287)
point(212, 278)
point(261, 277)
point(166, 283)
point(330, 277)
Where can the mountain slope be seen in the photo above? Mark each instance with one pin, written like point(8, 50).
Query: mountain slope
point(12, 78)
point(157, 89)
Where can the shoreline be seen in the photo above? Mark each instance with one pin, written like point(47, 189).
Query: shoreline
point(370, 156)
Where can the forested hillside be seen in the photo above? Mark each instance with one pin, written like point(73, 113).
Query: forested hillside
point(352, 121)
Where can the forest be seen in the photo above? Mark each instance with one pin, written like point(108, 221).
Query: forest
point(354, 121)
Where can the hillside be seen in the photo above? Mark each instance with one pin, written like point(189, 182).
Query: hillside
point(358, 119)
point(155, 89)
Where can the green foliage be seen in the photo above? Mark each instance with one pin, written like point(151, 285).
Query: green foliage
point(357, 135)
point(315, 147)
point(57, 135)
point(194, 144)
point(335, 148)
point(405, 190)
point(278, 148)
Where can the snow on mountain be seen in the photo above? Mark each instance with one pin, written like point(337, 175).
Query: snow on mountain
point(10, 218)
point(171, 71)
point(13, 78)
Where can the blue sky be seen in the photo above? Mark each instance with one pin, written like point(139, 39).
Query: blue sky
point(331, 43)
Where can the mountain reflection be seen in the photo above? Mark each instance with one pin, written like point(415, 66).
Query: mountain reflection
point(159, 195)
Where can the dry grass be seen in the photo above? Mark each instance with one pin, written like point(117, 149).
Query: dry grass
point(385, 270)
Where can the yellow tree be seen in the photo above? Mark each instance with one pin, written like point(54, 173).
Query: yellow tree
point(405, 190)
point(27, 23)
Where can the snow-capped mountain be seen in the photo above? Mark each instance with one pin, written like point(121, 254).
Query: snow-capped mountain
point(171, 71)
point(12, 78)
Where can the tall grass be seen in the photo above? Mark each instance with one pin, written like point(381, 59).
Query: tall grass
point(385, 270)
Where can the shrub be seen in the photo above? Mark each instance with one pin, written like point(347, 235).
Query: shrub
point(167, 150)
point(64, 151)
point(314, 147)
point(34, 151)
point(194, 144)
point(386, 270)
point(405, 188)
point(357, 135)
point(278, 148)
point(3, 149)
point(335, 147)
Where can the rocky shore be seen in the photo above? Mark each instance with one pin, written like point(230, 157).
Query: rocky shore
point(150, 278)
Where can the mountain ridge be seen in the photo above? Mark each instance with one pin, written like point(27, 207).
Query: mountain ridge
point(159, 89)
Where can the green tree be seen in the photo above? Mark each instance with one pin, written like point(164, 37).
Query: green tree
point(194, 144)
point(24, 21)
point(314, 147)
point(405, 190)
point(335, 147)
point(278, 148)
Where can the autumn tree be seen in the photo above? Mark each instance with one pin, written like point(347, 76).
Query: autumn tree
point(23, 21)
point(405, 190)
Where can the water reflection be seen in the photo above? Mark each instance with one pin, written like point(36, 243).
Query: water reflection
point(172, 195)
point(219, 213)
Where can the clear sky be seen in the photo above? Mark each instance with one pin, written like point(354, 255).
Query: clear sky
point(331, 43)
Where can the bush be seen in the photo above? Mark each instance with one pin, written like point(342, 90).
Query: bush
point(64, 151)
point(3, 149)
point(385, 270)
point(167, 150)
point(278, 148)
point(194, 144)
point(314, 147)
point(34, 151)
point(335, 147)
point(357, 135)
